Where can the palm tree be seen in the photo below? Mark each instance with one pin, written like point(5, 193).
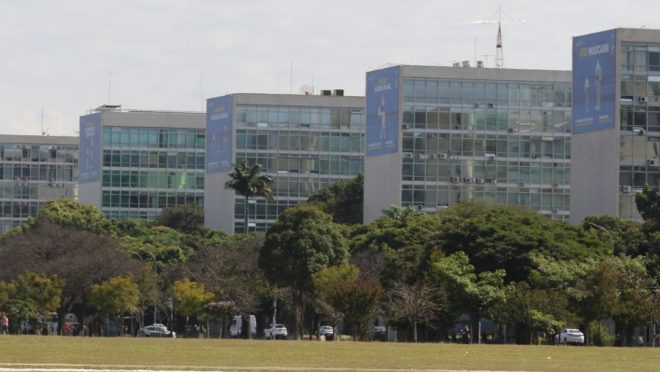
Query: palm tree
point(247, 180)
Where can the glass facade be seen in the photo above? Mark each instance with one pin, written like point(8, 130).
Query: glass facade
point(303, 148)
point(147, 169)
point(640, 122)
point(32, 174)
point(504, 142)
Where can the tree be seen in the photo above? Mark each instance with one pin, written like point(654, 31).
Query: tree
point(648, 205)
point(505, 237)
point(231, 271)
point(186, 218)
point(301, 242)
point(41, 293)
point(413, 302)
point(247, 180)
point(402, 236)
point(69, 212)
point(477, 293)
point(625, 236)
point(77, 257)
point(342, 295)
point(344, 200)
point(190, 297)
point(115, 296)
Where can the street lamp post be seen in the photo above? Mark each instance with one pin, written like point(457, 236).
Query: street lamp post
point(606, 231)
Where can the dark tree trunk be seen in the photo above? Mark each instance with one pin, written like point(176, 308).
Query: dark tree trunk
point(247, 210)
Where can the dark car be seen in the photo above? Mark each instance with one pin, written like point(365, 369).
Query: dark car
point(380, 333)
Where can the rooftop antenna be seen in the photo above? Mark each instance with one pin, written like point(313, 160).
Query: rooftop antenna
point(201, 91)
point(109, 85)
point(44, 132)
point(291, 79)
point(499, 46)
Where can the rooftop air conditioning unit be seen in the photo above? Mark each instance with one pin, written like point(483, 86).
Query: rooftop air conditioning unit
point(444, 156)
point(521, 184)
point(490, 156)
point(454, 179)
point(408, 155)
point(555, 185)
point(481, 180)
point(406, 126)
point(510, 130)
point(421, 156)
point(326, 92)
point(555, 210)
point(643, 99)
point(534, 156)
point(433, 156)
point(626, 189)
point(653, 162)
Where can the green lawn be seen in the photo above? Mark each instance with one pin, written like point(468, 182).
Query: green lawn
point(240, 354)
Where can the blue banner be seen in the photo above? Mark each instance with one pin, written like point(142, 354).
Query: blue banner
point(594, 81)
point(219, 134)
point(89, 164)
point(383, 111)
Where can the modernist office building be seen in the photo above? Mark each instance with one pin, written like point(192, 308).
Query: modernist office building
point(304, 142)
point(616, 121)
point(135, 163)
point(34, 170)
point(437, 136)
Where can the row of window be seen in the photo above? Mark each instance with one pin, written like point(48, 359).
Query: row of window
point(471, 172)
point(172, 180)
point(39, 153)
point(22, 209)
point(149, 199)
point(486, 92)
point(468, 144)
point(39, 172)
point(154, 137)
point(300, 141)
point(153, 159)
point(511, 121)
point(305, 165)
point(37, 191)
point(306, 117)
point(640, 57)
point(537, 199)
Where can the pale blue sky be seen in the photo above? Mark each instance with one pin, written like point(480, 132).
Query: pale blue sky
point(167, 54)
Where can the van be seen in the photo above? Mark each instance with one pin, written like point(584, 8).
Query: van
point(236, 327)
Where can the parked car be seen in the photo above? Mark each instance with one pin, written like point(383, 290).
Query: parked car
point(276, 331)
point(155, 330)
point(328, 332)
point(570, 336)
point(380, 333)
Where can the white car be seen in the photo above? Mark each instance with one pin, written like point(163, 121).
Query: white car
point(155, 330)
point(276, 331)
point(570, 336)
point(328, 332)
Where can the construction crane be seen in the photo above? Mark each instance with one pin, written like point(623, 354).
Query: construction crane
point(499, 51)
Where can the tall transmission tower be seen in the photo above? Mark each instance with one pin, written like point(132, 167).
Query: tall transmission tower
point(499, 46)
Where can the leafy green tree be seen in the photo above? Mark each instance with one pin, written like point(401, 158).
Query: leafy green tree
point(344, 296)
point(403, 237)
point(247, 179)
point(115, 296)
point(648, 205)
point(344, 200)
point(414, 303)
point(190, 298)
point(625, 236)
point(505, 237)
point(478, 293)
point(41, 293)
point(301, 242)
point(69, 212)
point(186, 218)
